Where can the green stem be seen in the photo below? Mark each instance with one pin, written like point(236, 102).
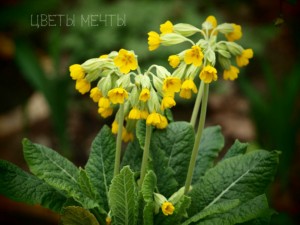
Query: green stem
point(197, 104)
point(119, 140)
point(197, 140)
point(146, 153)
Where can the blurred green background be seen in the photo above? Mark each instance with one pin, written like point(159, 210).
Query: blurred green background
point(38, 99)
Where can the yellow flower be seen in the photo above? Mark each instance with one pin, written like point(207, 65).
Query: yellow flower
point(105, 112)
point(153, 119)
point(103, 56)
point(167, 102)
point(208, 74)
point(134, 114)
point(104, 103)
point(167, 208)
point(163, 122)
point(144, 114)
point(231, 74)
point(126, 61)
point(212, 20)
point(95, 94)
point(153, 40)
point(144, 95)
point(108, 220)
point(166, 27)
point(174, 60)
point(117, 95)
point(127, 136)
point(236, 34)
point(114, 127)
point(243, 59)
point(186, 89)
point(194, 55)
point(171, 85)
point(76, 72)
point(83, 86)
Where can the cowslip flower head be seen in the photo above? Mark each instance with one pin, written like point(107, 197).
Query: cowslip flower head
point(194, 55)
point(117, 95)
point(76, 72)
point(231, 74)
point(104, 102)
point(171, 85)
point(144, 114)
point(186, 89)
point(126, 135)
point(174, 60)
point(167, 102)
point(114, 127)
point(144, 95)
point(134, 114)
point(243, 59)
point(126, 61)
point(167, 208)
point(153, 40)
point(153, 119)
point(236, 34)
point(83, 86)
point(108, 220)
point(105, 112)
point(166, 27)
point(95, 94)
point(163, 122)
point(212, 20)
point(208, 74)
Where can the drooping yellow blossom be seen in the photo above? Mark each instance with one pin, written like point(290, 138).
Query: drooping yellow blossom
point(167, 102)
point(174, 60)
point(194, 55)
point(117, 95)
point(108, 220)
point(95, 94)
point(236, 34)
point(103, 56)
point(186, 89)
point(166, 27)
point(76, 72)
point(243, 59)
point(208, 74)
point(144, 114)
point(153, 119)
point(114, 127)
point(167, 208)
point(127, 136)
point(153, 40)
point(212, 20)
point(231, 74)
point(134, 114)
point(171, 85)
point(144, 95)
point(163, 122)
point(83, 86)
point(105, 112)
point(104, 102)
point(126, 61)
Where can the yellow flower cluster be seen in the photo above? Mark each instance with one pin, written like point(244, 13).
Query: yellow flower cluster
point(202, 56)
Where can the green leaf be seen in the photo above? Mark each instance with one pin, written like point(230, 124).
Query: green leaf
point(147, 191)
point(241, 177)
point(177, 142)
point(250, 210)
point(237, 148)
point(74, 215)
point(122, 198)
point(212, 142)
point(86, 186)
point(100, 165)
point(55, 170)
point(20, 186)
point(133, 156)
point(214, 209)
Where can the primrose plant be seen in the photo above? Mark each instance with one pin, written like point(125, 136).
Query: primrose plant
point(168, 172)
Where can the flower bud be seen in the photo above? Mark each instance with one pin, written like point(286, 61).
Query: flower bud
point(185, 29)
point(172, 39)
point(225, 28)
point(234, 48)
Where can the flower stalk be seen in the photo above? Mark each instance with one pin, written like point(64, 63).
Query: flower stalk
point(197, 139)
point(119, 140)
point(146, 153)
point(197, 105)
